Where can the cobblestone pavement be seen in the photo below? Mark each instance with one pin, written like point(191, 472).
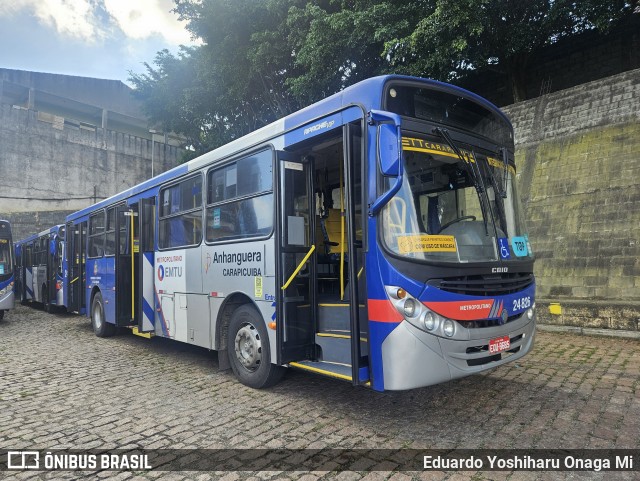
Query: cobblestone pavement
point(61, 388)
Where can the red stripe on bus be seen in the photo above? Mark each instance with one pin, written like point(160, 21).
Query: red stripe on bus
point(383, 311)
point(462, 310)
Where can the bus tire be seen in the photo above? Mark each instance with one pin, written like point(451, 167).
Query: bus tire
point(1, 314)
point(249, 351)
point(101, 327)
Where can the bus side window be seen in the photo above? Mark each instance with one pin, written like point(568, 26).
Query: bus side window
point(110, 234)
point(181, 214)
point(96, 234)
point(240, 198)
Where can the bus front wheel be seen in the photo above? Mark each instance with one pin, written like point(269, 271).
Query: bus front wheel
point(100, 325)
point(249, 351)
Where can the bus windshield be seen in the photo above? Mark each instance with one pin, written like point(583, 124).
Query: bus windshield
point(455, 206)
point(5, 257)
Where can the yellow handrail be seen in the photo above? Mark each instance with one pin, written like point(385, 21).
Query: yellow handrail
point(341, 238)
point(303, 262)
point(133, 276)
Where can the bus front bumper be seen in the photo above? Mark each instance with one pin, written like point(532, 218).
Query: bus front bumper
point(7, 301)
point(413, 358)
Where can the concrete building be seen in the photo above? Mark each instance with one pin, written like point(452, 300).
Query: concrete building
point(70, 141)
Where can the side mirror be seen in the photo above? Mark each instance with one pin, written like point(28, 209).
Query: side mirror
point(389, 150)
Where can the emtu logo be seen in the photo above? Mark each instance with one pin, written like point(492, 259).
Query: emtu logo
point(160, 272)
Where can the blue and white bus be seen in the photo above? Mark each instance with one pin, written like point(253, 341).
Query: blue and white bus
point(40, 268)
point(6, 268)
point(376, 236)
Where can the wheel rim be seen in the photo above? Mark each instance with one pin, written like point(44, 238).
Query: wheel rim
point(97, 316)
point(248, 347)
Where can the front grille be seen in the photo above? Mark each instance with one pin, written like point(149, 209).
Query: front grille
point(488, 322)
point(485, 285)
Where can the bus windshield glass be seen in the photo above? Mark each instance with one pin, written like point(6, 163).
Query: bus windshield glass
point(455, 206)
point(5, 257)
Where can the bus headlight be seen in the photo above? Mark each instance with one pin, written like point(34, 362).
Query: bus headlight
point(410, 306)
point(530, 313)
point(449, 328)
point(430, 320)
point(6, 289)
point(419, 315)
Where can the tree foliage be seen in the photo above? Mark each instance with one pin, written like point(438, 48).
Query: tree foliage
point(262, 59)
point(463, 35)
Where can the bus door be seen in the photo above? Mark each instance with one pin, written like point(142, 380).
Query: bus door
point(75, 245)
point(53, 265)
point(29, 261)
point(19, 273)
point(321, 259)
point(144, 263)
point(295, 278)
point(125, 279)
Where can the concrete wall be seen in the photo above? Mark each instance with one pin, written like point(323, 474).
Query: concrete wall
point(111, 95)
point(578, 154)
point(48, 169)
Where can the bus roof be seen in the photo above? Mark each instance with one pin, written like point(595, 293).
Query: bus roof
point(50, 230)
point(367, 93)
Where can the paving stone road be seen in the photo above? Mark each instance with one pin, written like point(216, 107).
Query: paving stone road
point(63, 388)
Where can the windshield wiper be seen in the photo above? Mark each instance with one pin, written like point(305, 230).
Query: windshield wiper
point(502, 191)
point(478, 183)
point(505, 163)
point(444, 133)
point(498, 202)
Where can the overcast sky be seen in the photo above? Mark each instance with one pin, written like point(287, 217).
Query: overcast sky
point(89, 38)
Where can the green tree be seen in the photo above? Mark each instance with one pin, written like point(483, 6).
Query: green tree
point(261, 60)
point(339, 43)
point(462, 35)
point(230, 85)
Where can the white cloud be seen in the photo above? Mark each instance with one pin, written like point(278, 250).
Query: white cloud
point(74, 18)
point(143, 18)
point(86, 19)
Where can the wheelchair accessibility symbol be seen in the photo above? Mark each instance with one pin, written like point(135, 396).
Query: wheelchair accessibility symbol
point(503, 244)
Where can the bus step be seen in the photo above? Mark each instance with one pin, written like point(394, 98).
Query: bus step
point(333, 317)
point(147, 335)
point(334, 347)
point(330, 369)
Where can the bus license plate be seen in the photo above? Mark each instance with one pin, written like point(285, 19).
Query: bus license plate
point(500, 344)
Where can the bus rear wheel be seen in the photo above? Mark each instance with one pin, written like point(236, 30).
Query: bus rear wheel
point(249, 351)
point(101, 327)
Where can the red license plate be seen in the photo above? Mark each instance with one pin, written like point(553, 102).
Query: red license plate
point(500, 344)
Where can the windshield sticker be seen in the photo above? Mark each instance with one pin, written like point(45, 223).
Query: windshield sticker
point(410, 244)
point(503, 245)
point(519, 245)
point(420, 145)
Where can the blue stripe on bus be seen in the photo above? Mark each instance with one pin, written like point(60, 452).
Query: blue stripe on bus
point(148, 311)
point(6, 283)
point(165, 331)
